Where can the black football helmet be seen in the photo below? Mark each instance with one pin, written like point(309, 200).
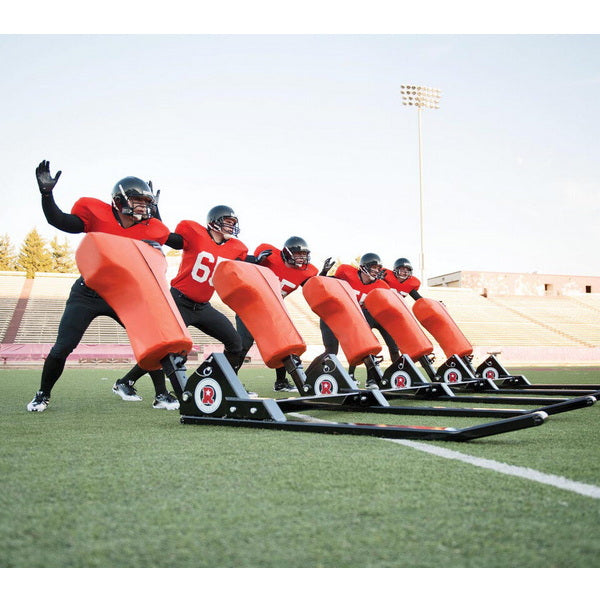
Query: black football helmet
point(370, 264)
point(130, 190)
point(402, 269)
point(296, 252)
point(216, 221)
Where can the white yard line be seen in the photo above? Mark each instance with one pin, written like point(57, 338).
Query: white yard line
point(584, 489)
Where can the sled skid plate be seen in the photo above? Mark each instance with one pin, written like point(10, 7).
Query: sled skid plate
point(550, 406)
point(385, 431)
point(549, 391)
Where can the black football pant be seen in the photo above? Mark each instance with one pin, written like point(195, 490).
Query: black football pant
point(332, 345)
point(247, 341)
point(207, 319)
point(82, 307)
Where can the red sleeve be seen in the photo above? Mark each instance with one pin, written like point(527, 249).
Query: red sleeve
point(82, 209)
point(243, 250)
point(184, 228)
point(262, 247)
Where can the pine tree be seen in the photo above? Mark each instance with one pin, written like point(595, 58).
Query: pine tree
point(34, 256)
point(8, 258)
point(62, 256)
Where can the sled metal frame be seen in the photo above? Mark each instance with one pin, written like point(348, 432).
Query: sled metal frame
point(507, 382)
point(491, 376)
point(213, 395)
point(475, 392)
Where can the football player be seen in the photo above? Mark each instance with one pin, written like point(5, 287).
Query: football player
point(192, 288)
point(401, 278)
point(293, 268)
point(366, 278)
point(131, 215)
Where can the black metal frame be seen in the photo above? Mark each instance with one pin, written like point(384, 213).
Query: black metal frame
point(472, 391)
point(213, 395)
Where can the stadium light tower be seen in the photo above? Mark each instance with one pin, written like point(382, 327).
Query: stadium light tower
point(422, 97)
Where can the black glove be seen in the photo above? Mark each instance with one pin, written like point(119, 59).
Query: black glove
point(327, 265)
point(154, 245)
point(45, 181)
point(262, 255)
point(157, 195)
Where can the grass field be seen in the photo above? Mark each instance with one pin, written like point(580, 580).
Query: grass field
point(98, 482)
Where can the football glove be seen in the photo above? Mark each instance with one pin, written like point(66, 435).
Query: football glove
point(157, 195)
point(45, 181)
point(327, 266)
point(154, 245)
point(262, 255)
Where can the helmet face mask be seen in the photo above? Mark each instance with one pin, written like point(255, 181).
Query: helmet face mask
point(402, 269)
point(370, 265)
point(222, 219)
point(296, 253)
point(134, 198)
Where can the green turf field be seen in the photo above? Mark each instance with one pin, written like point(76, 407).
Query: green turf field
point(98, 482)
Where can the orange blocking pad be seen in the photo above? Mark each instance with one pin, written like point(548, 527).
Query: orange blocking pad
point(254, 294)
point(335, 302)
point(389, 310)
point(436, 319)
point(131, 276)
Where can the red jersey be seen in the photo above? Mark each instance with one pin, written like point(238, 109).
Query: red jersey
point(289, 277)
point(98, 216)
point(350, 274)
point(404, 287)
point(201, 255)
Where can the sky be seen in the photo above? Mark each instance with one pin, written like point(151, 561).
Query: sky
point(306, 134)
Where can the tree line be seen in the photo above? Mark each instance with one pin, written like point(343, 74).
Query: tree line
point(37, 255)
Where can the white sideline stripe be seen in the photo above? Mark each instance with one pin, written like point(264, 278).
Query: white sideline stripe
point(584, 489)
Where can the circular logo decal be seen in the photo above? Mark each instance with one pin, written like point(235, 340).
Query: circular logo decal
point(207, 395)
point(400, 379)
point(491, 373)
point(452, 376)
point(325, 385)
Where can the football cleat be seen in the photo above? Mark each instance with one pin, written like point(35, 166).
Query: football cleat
point(126, 391)
point(371, 384)
point(167, 401)
point(39, 402)
point(284, 386)
point(251, 394)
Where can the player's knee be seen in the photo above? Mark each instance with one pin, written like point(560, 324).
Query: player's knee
point(60, 351)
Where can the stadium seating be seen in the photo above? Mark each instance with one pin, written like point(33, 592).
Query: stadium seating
point(11, 285)
point(535, 326)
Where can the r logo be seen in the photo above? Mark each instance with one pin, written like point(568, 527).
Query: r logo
point(490, 373)
point(400, 379)
point(325, 385)
point(452, 376)
point(207, 395)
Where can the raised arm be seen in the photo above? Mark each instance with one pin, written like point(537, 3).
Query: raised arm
point(56, 217)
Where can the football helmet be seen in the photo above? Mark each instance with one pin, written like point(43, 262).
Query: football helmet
point(370, 265)
point(296, 252)
point(216, 220)
point(131, 192)
point(402, 269)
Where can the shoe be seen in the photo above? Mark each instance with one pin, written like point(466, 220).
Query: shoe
point(39, 402)
point(284, 386)
point(251, 394)
point(167, 401)
point(371, 384)
point(356, 381)
point(126, 391)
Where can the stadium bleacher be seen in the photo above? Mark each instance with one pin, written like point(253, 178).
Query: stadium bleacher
point(523, 329)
